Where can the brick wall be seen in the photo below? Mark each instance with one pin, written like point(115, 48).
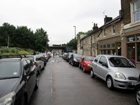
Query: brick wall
point(125, 6)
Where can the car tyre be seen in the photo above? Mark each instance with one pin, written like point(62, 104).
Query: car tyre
point(23, 101)
point(92, 74)
point(109, 83)
point(37, 83)
point(69, 61)
point(84, 69)
point(79, 66)
point(137, 96)
point(72, 63)
point(39, 71)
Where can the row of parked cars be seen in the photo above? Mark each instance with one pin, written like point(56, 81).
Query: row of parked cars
point(116, 71)
point(19, 77)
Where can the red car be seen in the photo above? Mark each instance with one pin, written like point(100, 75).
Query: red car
point(84, 61)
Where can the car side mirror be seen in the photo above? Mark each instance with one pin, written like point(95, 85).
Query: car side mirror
point(105, 64)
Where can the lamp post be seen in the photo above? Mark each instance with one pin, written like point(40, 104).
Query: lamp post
point(75, 34)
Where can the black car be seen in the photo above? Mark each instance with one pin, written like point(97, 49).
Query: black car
point(74, 59)
point(68, 56)
point(18, 79)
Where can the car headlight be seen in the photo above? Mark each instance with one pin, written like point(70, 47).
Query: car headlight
point(75, 60)
point(7, 99)
point(120, 76)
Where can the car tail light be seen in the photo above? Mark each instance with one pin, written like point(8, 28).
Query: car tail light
point(42, 58)
point(35, 64)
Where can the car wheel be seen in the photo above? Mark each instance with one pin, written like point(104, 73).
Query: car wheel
point(92, 74)
point(109, 83)
point(72, 63)
point(23, 101)
point(37, 83)
point(137, 95)
point(39, 71)
point(69, 61)
point(79, 66)
point(84, 69)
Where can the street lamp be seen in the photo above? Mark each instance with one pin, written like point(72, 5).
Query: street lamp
point(75, 34)
point(75, 31)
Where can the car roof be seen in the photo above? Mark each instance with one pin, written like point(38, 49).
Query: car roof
point(111, 55)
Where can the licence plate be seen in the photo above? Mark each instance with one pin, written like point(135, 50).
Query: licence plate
point(134, 83)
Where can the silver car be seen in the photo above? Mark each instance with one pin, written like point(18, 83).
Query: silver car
point(116, 71)
point(37, 62)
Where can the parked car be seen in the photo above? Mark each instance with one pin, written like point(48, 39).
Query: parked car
point(85, 61)
point(37, 62)
point(74, 59)
point(68, 56)
point(45, 55)
point(18, 79)
point(117, 71)
point(64, 55)
point(137, 93)
point(49, 54)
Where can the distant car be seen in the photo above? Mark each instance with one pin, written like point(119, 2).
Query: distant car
point(117, 71)
point(85, 61)
point(18, 79)
point(137, 93)
point(64, 55)
point(45, 55)
point(68, 56)
point(49, 54)
point(37, 62)
point(74, 59)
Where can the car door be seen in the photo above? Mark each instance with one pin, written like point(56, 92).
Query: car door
point(30, 77)
point(95, 64)
point(102, 69)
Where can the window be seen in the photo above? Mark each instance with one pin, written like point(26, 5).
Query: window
point(103, 60)
point(96, 59)
point(104, 33)
point(104, 46)
point(131, 38)
point(113, 45)
point(113, 29)
point(100, 46)
point(131, 51)
point(136, 10)
point(108, 45)
point(26, 67)
point(138, 37)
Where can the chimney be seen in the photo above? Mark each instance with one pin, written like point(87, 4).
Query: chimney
point(95, 27)
point(107, 19)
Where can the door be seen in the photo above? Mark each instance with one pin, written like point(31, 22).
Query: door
point(131, 52)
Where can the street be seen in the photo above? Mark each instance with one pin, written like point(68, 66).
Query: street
point(62, 84)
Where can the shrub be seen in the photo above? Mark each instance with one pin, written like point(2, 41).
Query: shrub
point(24, 52)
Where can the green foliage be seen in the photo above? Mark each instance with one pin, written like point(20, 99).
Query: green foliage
point(25, 52)
point(88, 32)
point(23, 37)
point(14, 50)
point(4, 50)
point(72, 44)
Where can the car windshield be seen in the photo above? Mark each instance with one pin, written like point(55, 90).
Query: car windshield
point(77, 55)
point(89, 58)
point(9, 69)
point(120, 62)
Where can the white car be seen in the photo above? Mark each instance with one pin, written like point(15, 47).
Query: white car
point(37, 61)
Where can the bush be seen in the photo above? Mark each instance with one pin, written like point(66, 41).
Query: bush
point(14, 50)
point(5, 50)
point(24, 52)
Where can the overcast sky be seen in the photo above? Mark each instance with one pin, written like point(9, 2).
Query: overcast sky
point(58, 17)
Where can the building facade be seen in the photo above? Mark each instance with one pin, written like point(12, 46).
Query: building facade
point(130, 34)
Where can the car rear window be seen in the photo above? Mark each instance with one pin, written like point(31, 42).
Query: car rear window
point(31, 58)
point(89, 58)
point(9, 69)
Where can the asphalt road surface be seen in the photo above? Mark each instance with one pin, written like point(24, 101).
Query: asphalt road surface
point(62, 84)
